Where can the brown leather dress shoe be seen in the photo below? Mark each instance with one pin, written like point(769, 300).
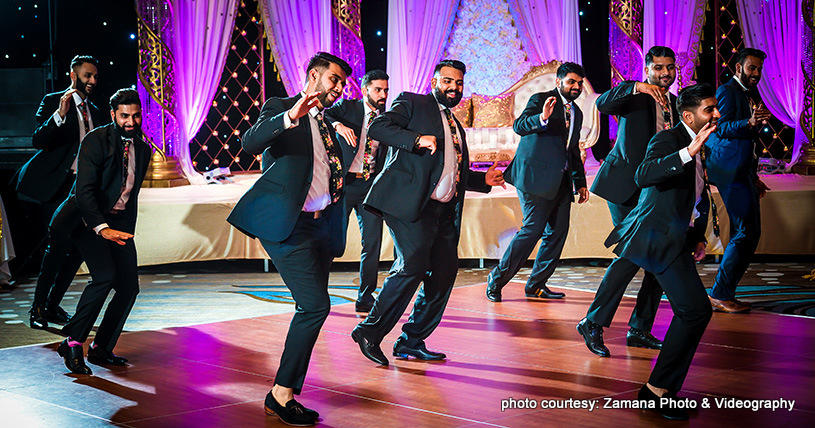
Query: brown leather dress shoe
point(727, 306)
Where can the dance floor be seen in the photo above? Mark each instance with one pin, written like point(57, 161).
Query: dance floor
point(217, 374)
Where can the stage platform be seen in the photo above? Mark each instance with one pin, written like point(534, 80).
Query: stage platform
point(189, 223)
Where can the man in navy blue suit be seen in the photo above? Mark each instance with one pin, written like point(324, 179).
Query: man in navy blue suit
point(732, 167)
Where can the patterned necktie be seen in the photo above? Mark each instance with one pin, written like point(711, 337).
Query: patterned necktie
point(713, 210)
point(125, 162)
point(84, 112)
point(452, 124)
point(666, 116)
point(334, 164)
point(367, 158)
point(568, 108)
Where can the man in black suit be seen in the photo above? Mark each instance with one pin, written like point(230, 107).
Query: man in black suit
point(546, 167)
point(733, 169)
point(351, 119)
point(100, 217)
point(63, 120)
point(296, 209)
point(420, 193)
point(665, 234)
point(643, 109)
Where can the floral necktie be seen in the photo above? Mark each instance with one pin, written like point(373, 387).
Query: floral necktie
point(125, 162)
point(568, 109)
point(367, 157)
point(85, 121)
point(452, 124)
point(713, 210)
point(334, 164)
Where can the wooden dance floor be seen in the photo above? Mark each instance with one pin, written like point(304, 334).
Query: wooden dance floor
point(216, 375)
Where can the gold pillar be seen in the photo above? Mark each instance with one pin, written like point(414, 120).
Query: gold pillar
point(806, 165)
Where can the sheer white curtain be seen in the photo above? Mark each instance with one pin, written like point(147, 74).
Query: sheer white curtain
point(202, 32)
point(775, 27)
point(550, 28)
point(676, 24)
point(417, 33)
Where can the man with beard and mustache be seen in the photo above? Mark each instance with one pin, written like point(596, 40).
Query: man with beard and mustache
point(351, 118)
point(63, 120)
point(297, 210)
point(665, 235)
point(99, 216)
point(546, 167)
point(420, 194)
point(732, 168)
point(643, 109)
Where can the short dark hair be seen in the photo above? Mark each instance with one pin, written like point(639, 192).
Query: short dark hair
point(658, 51)
point(692, 96)
point(323, 60)
point(125, 96)
point(458, 65)
point(744, 53)
point(373, 75)
point(83, 59)
point(569, 67)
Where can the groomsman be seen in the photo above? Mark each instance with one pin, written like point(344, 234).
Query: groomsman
point(351, 119)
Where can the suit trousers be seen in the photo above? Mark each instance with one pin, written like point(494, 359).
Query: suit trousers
point(546, 220)
point(303, 261)
point(112, 267)
point(426, 250)
point(370, 227)
point(61, 260)
point(742, 202)
point(612, 287)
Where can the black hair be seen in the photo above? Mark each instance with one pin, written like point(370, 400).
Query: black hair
point(125, 96)
point(658, 51)
point(692, 96)
point(744, 53)
point(458, 65)
point(322, 60)
point(570, 67)
point(373, 75)
point(83, 59)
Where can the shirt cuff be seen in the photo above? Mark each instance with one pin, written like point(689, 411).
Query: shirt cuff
point(544, 122)
point(99, 228)
point(634, 92)
point(58, 120)
point(685, 155)
point(287, 122)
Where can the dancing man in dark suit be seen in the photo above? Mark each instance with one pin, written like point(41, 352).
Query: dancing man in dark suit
point(63, 120)
point(546, 167)
point(420, 193)
point(733, 169)
point(665, 234)
point(643, 108)
point(100, 217)
point(296, 209)
point(351, 119)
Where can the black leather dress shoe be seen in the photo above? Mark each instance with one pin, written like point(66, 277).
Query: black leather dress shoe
point(593, 335)
point(369, 349)
point(74, 359)
point(642, 339)
point(57, 315)
point(293, 413)
point(544, 293)
point(493, 293)
point(37, 318)
point(101, 357)
point(363, 307)
point(420, 353)
point(667, 411)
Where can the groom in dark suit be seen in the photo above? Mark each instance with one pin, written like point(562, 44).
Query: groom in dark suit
point(420, 193)
point(643, 109)
point(665, 235)
point(733, 169)
point(63, 120)
point(296, 209)
point(546, 167)
point(364, 157)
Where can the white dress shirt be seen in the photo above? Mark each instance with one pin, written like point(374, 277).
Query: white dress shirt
point(359, 159)
point(319, 195)
point(58, 120)
point(446, 187)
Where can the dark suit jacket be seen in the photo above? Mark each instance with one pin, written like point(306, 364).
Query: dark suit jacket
point(657, 230)
point(731, 147)
point(537, 168)
point(99, 181)
point(637, 124)
point(40, 178)
point(270, 209)
point(351, 113)
point(409, 176)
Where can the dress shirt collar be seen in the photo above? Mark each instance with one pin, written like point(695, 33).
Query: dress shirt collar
point(744, 88)
point(314, 110)
point(690, 131)
point(78, 99)
point(563, 99)
point(369, 109)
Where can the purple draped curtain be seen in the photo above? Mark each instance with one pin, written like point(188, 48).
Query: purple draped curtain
point(775, 27)
point(676, 24)
point(203, 30)
point(417, 34)
point(550, 29)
